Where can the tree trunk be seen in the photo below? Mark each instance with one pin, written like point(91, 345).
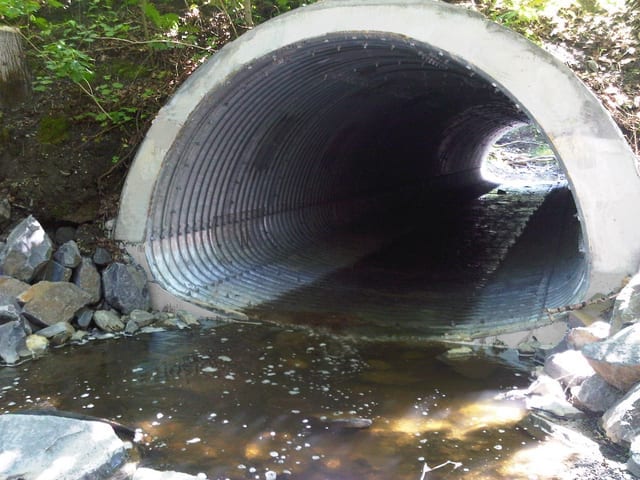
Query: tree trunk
point(248, 16)
point(15, 83)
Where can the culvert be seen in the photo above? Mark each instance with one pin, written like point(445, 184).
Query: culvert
point(325, 168)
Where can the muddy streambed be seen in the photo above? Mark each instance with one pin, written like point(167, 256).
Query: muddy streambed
point(237, 401)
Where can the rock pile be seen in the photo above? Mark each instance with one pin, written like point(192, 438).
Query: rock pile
point(596, 372)
point(50, 293)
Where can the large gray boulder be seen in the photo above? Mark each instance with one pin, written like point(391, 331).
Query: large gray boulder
point(125, 287)
point(595, 395)
point(626, 309)
point(46, 446)
point(86, 277)
point(569, 367)
point(46, 303)
point(621, 422)
point(617, 359)
point(12, 335)
point(27, 250)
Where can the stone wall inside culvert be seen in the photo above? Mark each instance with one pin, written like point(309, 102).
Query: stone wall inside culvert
point(326, 165)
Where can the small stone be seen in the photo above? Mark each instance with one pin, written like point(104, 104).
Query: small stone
point(64, 234)
point(46, 303)
point(12, 337)
point(68, 254)
point(36, 344)
point(142, 317)
point(188, 318)
point(102, 257)
point(27, 250)
point(84, 317)
point(58, 333)
point(55, 272)
point(79, 336)
point(580, 336)
point(545, 385)
point(125, 287)
point(108, 321)
point(595, 395)
point(569, 367)
point(617, 359)
point(86, 277)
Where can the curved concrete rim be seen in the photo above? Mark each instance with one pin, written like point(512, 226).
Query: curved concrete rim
point(600, 166)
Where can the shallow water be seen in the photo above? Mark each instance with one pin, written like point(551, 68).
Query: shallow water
point(236, 401)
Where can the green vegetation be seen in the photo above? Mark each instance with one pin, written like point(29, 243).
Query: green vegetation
point(53, 130)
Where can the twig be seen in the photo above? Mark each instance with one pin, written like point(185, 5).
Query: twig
point(145, 42)
point(426, 468)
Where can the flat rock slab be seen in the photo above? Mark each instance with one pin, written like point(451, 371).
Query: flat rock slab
point(47, 303)
point(38, 447)
point(569, 367)
point(617, 359)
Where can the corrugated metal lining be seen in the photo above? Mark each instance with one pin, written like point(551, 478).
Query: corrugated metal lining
point(316, 157)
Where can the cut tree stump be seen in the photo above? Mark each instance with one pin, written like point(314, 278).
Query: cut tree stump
point(15, 81)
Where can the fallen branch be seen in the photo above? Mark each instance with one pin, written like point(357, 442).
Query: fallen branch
point(426, 468)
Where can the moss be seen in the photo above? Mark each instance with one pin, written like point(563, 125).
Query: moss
point(127, 70)
point(53, 130)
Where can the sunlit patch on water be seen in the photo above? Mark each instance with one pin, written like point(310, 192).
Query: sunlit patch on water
point(239, 401)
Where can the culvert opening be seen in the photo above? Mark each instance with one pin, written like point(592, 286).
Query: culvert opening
point(337, 180)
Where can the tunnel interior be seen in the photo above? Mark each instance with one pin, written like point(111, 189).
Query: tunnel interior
point(337, 181)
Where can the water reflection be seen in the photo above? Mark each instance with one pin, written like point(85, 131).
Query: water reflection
point(237, 401)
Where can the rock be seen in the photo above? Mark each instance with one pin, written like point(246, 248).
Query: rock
point(12, 336)
point(46, 303)
point(138, 319)
point(102, 257)
point(27, 250)
point(633, 464)
point(149, 474)
point(580, 336)
point(47, 446)
point(187, 318)
point(621, 422)
point(86, 277)
point(79, 336)
point(569, 367)
point(595, 395)
point(12, 286)
point(55, 272)
point(626, 309)
point(36, 344)
point(64, 234)
point(84, 317)
point(547, 386)
point(9, 310)
point(68, 254)
point(58, 333)
point(5, 213)
point(617, 359)
point(125, 287)
point(558, 407)
point(108, 321)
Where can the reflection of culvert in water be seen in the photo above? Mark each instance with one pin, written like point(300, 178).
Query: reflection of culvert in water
point(325, 167)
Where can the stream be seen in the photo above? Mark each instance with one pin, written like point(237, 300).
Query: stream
point(237, 401)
